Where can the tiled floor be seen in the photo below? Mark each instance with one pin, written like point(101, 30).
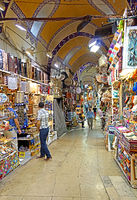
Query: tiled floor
point(81, 169)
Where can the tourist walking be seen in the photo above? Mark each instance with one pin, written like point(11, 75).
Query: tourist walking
point(90, 117)
point(42, 125)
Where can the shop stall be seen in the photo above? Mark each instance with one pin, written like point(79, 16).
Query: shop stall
point(124, 142)
point(22, 87)
point(121, 134)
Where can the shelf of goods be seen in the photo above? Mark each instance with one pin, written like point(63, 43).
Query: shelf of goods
point(130, 119)
point(125, 144)
point(8, 154)
point(31, 88)
point(28, 70)
point(29, 143)
point(29, 146)
point(26, 109)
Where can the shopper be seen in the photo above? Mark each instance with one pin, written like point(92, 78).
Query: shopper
point(82, 118)
point(95, 111)
point(86, 107)
point(13, 120)
point(42, 125)
point(90, 117)
point(102, 117)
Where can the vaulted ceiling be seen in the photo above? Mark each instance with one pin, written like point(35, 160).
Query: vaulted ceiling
point(60, 37)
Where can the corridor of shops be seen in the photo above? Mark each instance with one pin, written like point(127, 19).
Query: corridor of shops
point(68, 99)
point(81, 169)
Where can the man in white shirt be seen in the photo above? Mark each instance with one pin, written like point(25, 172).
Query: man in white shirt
point(42, 125)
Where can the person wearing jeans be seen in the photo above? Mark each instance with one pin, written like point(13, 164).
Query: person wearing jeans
point(42, 124)
point(90, 116)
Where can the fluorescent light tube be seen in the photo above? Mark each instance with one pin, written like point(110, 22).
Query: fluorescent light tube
point(20, 27)
point(92, 44)
point(94, 48)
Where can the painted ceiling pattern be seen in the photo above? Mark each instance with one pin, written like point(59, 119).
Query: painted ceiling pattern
point(61, 37)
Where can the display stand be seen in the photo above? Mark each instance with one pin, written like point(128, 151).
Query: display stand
point(126, 155)
point(8, 154)
point(24, 85)
point(9, 162)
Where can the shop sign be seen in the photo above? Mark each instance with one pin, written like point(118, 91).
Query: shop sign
point(130, 48)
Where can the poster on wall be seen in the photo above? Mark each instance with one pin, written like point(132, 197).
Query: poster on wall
point(130, 48)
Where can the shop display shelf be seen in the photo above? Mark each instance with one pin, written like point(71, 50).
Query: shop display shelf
point(36, 144)
point(8, 141)
point(3, 85)
point(25, 139)
point(34, 136)
point(3, 118)
point(126, 176)
point(23, 77)
point(24, 161)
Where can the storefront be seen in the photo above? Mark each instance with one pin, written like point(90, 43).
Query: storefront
point(120, 129)
point(22, 87)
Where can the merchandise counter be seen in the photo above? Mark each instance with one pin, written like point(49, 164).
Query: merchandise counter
point(125, 145)
point(8, 160)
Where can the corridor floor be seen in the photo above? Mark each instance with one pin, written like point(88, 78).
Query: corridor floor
point(81, 169)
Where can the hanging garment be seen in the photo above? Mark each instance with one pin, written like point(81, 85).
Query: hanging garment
point(1, 59)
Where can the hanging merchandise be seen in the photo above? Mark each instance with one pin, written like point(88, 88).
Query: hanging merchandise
point(114, 49)
point(130, 50)
point(20, 97)
point(22, 115)
point(132, 44)
point(121, 126)
point(23, 86)
point(98, 78)
point(1, 59)
point(102, 60)
point(3, 98)
point(104, 78)
point(12, 82)
point(78, 90)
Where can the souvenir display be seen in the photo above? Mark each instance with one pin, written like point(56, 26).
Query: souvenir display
point(12, 82)
point(121, 129)
point(23, 95)
point(8, 160)
point(130, 48)
point(3, 98)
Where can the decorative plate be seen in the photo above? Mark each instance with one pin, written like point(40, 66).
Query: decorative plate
point(3, 98)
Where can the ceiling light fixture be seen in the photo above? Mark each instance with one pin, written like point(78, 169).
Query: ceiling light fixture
point(28, 53)
point(49, 54)
point(19, 26)
point(2, 6)
point(56, 65)
point(94, 48)
point(92, 44)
